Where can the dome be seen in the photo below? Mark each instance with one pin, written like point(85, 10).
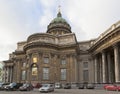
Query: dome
point(59, 19)
point(59, 25)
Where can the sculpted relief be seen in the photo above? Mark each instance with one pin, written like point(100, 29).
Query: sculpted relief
point(66, 40)
point(44, 39)
point(54, 40)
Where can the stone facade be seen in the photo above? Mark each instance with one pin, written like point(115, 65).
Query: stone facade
point(57, 56)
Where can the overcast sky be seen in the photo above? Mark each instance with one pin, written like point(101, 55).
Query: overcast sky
point(21, 18)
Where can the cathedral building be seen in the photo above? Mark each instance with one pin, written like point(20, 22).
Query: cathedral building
point(57, 56)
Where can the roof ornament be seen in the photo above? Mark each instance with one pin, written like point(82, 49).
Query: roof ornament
point(59, 8)
point(59, 12)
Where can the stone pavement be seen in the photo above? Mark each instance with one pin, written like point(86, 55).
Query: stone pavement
point(64, 91)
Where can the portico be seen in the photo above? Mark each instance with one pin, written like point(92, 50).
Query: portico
point(8, 73)
point(106, 65)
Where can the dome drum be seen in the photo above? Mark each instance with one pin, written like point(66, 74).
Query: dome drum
point(58, 31)
point(63, 25)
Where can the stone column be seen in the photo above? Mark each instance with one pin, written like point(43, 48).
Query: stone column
point(116, 60)
point(100, 66)
point(76, 69)
point(72, 75)
point(109, 67)
point(95, 69)
point(10, 73)
point(19, 71)
point(104, 67)
point(29, 74)
point(5, 79)
point(28, 79)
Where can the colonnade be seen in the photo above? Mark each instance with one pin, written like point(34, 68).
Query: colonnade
point(8, 74)
point(106, 65)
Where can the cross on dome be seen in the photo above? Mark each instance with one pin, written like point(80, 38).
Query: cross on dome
point(59, 12)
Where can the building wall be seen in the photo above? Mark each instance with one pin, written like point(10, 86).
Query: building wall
point(86, 62)
point(54, 65)
point(74, 57)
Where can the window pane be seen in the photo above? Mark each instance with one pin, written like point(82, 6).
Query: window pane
point(34, 70)
point(85, 75)
point(85, 64)
point(24, 64)
point(46, 60)
point(63, 74)
point(23, 75)
point(45, 73)
point(63, 61)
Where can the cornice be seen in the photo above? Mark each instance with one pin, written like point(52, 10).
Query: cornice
point(106, 38)
point(18, 52)
point(48, 45)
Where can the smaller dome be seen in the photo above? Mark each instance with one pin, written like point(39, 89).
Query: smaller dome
point(59, 25)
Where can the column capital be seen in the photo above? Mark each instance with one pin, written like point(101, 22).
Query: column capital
point(115, 45)
point(103, 51)
point(95, 56)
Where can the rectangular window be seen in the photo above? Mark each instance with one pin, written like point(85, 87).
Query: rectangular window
point(45, 73)
point(24, 64)
point(85, 64)
point(63, 61)
point(46, 60)
point(23, 75)
point(85, 75)
point(63, 74)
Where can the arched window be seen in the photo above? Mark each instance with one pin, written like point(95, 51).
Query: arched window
point(34, 70)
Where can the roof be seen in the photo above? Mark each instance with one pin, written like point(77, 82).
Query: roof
point(59, 19)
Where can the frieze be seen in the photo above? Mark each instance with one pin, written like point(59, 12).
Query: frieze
point(108, 40)
point(43, 39)
point(65, 40)
point(84, 47)
point(9, 64)
point(108, 31)
point(56, 40)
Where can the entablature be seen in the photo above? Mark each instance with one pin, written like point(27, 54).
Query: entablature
point(107, 40)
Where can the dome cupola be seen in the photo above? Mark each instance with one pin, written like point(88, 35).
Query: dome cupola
point(58, 26)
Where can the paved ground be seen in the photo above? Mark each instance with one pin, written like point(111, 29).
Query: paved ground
point(63, 91)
